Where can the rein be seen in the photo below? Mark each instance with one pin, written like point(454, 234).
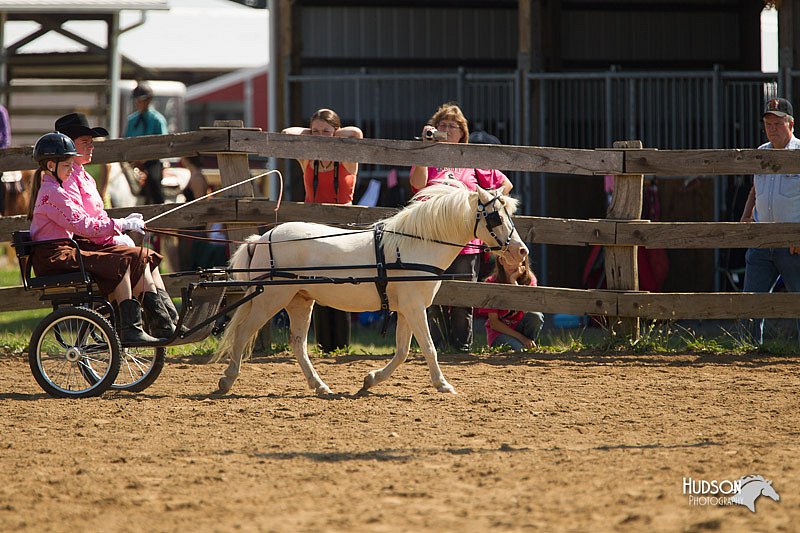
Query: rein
point(491, 219)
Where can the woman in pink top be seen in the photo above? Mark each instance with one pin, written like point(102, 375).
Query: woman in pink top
point(517, 329)
point(454, 324)
point(57, 214)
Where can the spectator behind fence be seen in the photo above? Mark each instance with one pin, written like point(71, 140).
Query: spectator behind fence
point(518, 329)
point(773, 198)
point(330, 182)
point(67, 205)
point(453, 325)
point(5, 142)
point(147, 121)
point(200, 253)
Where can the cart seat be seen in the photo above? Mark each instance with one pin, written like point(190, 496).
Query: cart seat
point(52, 285)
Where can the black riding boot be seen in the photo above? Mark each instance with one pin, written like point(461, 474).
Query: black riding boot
point(157, 316)
point(173, 312)
point(130, 319)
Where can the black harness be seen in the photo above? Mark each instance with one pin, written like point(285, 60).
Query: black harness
point(491, 219)
point(335, 181)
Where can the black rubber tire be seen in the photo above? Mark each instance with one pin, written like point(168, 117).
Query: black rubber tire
point(62, 348)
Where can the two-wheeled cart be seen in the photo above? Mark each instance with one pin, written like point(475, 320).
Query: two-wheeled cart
point(75, 351)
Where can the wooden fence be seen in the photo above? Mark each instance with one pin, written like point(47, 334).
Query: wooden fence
point(619, 234)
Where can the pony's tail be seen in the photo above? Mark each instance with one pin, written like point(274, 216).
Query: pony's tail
point(239, 260)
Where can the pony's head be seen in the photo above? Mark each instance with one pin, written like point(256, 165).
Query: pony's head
point(494, 226)
point(448, 211)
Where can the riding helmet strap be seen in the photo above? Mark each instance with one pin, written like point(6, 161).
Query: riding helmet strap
point(335, 181)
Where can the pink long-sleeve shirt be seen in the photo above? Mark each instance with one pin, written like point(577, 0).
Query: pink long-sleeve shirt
point(74, 208)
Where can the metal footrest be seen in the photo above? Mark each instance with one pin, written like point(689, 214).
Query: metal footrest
point(199, 305)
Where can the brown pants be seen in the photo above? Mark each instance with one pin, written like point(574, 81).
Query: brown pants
point(106, 264)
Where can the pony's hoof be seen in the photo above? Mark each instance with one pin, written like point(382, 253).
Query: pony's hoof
point(446, 387)
point(223, 387)
point(324, 391)
point(369, 381)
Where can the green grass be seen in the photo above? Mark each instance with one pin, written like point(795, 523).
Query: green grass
point(657, 337)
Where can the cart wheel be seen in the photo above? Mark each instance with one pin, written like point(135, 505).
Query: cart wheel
point(139, 368)
point(69, 344)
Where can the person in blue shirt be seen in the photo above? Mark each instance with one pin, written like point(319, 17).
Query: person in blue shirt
point(774, 198)
point(147, 121)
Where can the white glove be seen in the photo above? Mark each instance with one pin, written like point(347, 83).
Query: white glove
point(132, 222)
point(123, 240)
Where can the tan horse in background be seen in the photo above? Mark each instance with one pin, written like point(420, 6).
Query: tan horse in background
point(16, 186)
point(16, 191)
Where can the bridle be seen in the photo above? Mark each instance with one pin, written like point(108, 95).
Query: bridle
point(492, 219)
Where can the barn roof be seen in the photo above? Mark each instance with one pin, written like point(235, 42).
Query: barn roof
point(81, 6)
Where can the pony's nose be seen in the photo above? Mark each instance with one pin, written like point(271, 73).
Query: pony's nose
point(523, 251)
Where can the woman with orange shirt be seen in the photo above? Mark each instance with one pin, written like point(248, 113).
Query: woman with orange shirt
point(329, 182)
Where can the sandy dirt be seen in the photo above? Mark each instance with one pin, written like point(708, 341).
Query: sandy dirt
point(550, 443)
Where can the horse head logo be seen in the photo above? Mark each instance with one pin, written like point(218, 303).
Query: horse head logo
point(751, 488)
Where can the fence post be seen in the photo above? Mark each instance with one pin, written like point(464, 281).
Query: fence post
point(235, 167)
point(622, 269)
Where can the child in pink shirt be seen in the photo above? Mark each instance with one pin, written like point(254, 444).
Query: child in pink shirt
point(518, 329)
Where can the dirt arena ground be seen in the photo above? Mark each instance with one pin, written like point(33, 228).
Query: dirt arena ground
point(549, 443)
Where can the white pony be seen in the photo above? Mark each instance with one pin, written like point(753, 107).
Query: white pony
point(431, 230)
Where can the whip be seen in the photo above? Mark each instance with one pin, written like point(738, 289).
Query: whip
point(209, 195)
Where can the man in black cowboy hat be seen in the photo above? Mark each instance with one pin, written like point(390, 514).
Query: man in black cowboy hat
point(76, 125)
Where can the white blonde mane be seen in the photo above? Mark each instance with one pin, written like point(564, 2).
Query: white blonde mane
point(440, 212)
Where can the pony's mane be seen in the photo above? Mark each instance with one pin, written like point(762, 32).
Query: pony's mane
point(438, 212)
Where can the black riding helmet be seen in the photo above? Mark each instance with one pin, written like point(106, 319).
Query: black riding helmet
point(53, 146)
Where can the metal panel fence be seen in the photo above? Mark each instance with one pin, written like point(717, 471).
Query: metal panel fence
point(666, 110)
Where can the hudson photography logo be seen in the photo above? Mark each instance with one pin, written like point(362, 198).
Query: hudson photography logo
point(743, 491)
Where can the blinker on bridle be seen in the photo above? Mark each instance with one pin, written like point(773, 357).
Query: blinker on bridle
point(492, 219)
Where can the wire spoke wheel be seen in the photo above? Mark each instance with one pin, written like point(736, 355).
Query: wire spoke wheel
point(70, 344)
point(139, 368)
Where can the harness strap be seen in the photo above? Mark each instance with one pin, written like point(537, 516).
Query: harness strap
point(335, 181)
point(380, 264)
point(271, 256)
point(382, 280)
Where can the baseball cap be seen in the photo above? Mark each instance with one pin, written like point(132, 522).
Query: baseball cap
point(481, 137)
point(780, 107)
point(142, 90)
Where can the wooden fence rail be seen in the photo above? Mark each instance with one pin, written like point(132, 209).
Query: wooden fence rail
point(622, 232)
